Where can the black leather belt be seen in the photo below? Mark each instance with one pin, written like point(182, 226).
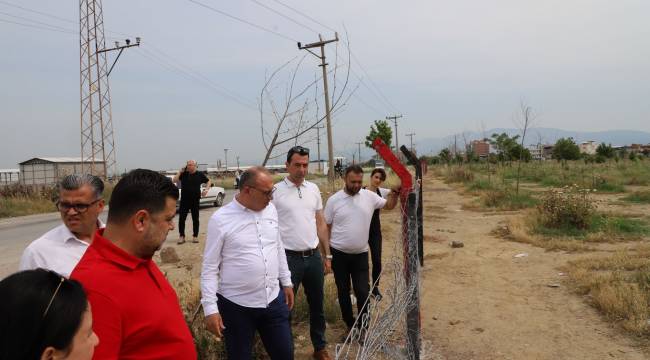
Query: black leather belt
point(305, 253)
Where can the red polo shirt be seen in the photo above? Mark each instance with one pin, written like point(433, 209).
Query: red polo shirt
point(136, 313)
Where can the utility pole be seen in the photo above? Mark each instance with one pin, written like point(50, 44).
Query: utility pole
point(225, 151)
point(330, 147)
point(394, 119)
point(97, 140)
point(320, 165)
point(411, 136)
point(237, 162)
point(359, 145)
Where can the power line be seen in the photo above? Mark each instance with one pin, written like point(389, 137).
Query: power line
point(242, 20)
point(284, 16)
point(39, 12)
point(38, 27)
point(37, 22)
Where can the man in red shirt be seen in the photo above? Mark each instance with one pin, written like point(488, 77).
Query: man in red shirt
point(135, 310)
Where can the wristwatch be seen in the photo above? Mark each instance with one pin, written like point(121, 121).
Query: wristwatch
point(328, 257)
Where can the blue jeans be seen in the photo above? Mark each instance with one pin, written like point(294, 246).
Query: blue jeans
point(271, 322)
point(308, 271)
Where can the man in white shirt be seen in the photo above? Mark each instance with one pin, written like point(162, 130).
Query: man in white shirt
point(302, 227)
point(348, 214)
point(245, 281)
point(80, 203)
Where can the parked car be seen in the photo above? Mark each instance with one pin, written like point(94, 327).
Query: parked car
point(214, 197)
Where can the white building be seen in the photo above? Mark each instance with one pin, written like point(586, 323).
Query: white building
point(589, 147)
point(49, 170)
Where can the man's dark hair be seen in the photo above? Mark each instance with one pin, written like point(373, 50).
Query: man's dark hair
point(27, 325)
point(76, 181)
point(140, 189)
point(353, 169)
point(248, 177)
point(302, 151)
point(380, 171)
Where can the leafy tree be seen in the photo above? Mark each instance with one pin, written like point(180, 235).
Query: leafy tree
point(445, 156)
point(566, 149)
point(507, 147)
point(605, 150)
point(381, 129)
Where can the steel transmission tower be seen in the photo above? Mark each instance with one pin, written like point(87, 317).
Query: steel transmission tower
point(97, 140)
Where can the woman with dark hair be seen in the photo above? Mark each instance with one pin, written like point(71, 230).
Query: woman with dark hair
point(377, 178)
point(44, 316)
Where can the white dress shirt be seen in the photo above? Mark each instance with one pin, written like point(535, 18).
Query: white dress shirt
point(350, 218)
point(297, 207)
point(58, 250)
point(243, 258)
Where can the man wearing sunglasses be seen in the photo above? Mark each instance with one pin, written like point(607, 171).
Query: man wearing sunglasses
point(80, 203)
point(303, 228)
point(245, 282)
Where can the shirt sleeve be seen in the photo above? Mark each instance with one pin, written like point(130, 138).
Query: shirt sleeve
point(29, 260)
point(204, 179)
point(319, 199)
point(211, 265)
point(380, 202)
point(283, 272)
point(107, 324)
point(384, 192)
point(329, 210)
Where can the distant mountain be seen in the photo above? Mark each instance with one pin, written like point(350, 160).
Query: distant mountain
point(535, 135)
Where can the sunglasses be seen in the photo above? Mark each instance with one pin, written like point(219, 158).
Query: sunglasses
point(299, 150)
point(80, 207)
point(268, 194)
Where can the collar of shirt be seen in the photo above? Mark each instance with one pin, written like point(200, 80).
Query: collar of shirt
point(70, 236)
point(290, 183)
point(111, 252)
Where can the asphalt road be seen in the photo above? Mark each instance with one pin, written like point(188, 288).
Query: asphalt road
point(17, 233)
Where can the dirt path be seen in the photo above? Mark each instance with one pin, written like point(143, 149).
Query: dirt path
point(481, 302)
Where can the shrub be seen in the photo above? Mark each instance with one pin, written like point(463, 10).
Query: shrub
point(570, 207)
point(460, 175)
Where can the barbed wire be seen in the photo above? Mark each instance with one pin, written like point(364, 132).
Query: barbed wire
point(381, 332)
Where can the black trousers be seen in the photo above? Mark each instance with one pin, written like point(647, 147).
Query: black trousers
point(272, 323)
point(346, 268)
point(183, 209)
point(308, 271)
point(374, 242)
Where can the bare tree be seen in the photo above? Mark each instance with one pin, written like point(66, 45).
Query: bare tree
point(526, 119)
point(293, 112)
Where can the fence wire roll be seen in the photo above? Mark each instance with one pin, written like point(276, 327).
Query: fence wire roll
point(390, 329)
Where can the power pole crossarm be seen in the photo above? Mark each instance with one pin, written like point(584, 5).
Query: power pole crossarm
point(330, 147)
point(394, 120)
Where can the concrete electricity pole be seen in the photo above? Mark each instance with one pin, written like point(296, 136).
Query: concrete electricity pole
point(411, 136)
point(394, 119)
point(359, 145)
point(225, 151)
point(330, 147)
point(320, 165)
point(97, 140)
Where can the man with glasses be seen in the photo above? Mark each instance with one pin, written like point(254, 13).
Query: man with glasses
point(80, 203)
point(302, 228)
point(191, 181)
point(245, 282)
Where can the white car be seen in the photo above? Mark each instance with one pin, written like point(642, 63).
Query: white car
point(214, 197)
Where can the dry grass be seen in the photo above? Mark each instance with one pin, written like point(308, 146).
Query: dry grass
point(618, 286)
point(21, 206)
point(518, 229)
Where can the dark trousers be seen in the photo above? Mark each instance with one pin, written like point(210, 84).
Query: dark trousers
point(374, 242)
point(308, 271)
point(183, 209)
point(272, 323)
point(353, 267)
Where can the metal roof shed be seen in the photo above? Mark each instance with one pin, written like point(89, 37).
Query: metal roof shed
point(45, 171)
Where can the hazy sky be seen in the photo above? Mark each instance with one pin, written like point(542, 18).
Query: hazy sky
point(447, 66)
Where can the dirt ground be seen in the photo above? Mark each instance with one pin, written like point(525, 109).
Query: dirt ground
point(483, 302)
point(480, 301)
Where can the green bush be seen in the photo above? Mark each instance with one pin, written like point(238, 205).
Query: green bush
point(570, 207)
